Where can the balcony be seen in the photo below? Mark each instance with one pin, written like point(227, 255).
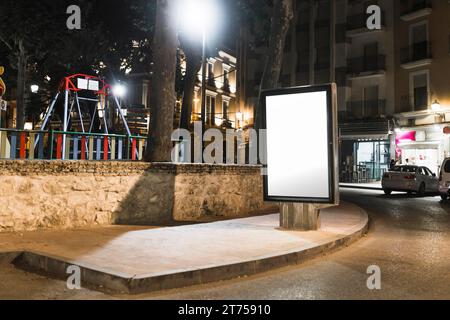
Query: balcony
point(416, 9)
point(366, 67)
point(367, 109)
point(416, 55)
point(357, 25)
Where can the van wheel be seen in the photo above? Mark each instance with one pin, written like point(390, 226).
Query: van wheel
point(422, 189)
point(387, 192)
point(444, 197)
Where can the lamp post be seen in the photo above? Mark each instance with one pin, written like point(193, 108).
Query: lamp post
point(203, 105)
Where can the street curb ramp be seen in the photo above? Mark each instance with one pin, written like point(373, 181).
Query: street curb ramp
point(103, 280)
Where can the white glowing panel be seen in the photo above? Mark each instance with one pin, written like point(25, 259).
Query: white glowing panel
point(299, 146)
point(82, 84)
point(94, 85)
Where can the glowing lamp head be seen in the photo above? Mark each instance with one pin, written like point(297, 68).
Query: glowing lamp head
point(198, 17)
point(436, 106)
point(34, 88)
point(119, 90)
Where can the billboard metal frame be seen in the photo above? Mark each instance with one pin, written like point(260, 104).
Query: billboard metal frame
point(331, 91)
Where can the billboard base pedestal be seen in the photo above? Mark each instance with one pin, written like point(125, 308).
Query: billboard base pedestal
point(299, 216)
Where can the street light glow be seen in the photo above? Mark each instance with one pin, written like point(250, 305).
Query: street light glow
point(436, 106)
point(34, 88)
point(198, 17)
point(119, 90)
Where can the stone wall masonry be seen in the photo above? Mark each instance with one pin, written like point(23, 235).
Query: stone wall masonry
point(70, 194)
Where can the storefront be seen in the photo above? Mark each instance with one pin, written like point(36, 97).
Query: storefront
point(365, 160)
point(424, 146)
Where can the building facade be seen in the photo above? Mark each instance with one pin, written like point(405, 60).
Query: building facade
point(329, 41)
point(422, 95)
point(222, 109)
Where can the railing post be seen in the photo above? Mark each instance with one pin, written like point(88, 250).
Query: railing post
point(52, 139)
point(133, 149)
point(83, 148)
point(59, 145)
point(105, 148)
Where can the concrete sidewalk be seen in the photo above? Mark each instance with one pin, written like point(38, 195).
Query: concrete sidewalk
point(137, 260)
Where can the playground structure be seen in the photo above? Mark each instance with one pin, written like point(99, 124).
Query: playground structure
point(91, 90)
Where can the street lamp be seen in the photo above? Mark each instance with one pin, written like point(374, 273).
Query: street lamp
point(34, 88)
point(119, 90)
point(198, 19)
point(436, 106)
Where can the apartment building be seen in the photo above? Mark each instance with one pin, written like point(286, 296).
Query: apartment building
point(222, 109)
point(422, 45)
point(329, 42)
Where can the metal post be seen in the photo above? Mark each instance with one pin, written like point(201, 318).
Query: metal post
point(204, 75)
point(203, 106)
point(79, 112)
point(118, 106)
point(49, 112)
point(66, 111)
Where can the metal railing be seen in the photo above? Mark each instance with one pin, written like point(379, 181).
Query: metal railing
point(416, 52)
point(366, 64)
point(48, 145)
point(367, 109)
point(416, 5)
point(359, 21)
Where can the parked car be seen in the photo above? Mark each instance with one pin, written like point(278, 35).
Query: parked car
point(444, 180)
point(410, 179)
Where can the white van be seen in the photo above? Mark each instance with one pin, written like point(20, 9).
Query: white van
point(444, 180)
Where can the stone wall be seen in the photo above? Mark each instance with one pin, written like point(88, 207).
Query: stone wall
point(44, 195)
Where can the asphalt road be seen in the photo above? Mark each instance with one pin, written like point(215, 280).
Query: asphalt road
point(409, 240)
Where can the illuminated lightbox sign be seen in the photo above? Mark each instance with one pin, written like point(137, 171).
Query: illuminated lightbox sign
point(85, 84)
point(301, 145)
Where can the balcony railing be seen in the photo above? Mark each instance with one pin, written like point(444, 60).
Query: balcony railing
point(359, 21)
point(413, 6)
point(366, 64)
point(368, 109)
point(44, 145)
point(416, 52)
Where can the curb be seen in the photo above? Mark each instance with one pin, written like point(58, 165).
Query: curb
point(108, 281)
point(361, 188)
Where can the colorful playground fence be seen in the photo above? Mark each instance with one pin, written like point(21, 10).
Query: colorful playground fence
point(48, 145)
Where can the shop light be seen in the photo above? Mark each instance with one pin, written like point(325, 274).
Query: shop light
point(436, 106)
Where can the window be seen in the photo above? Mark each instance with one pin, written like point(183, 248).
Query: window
point(419, 41)
point(225, 106)
point(210, 72)
point(447, 167)
point(210, 109)
point(428, 172)
point(371, 101)
point(419, 91)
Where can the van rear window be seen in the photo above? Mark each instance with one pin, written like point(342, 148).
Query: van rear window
point(447, 166)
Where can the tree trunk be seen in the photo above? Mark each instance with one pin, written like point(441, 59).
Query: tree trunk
point(163, 94)
point(193, 65)
point(283, 13)
point(21, 79)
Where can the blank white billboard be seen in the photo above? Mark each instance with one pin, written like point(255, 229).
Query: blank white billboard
point(300, 146)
